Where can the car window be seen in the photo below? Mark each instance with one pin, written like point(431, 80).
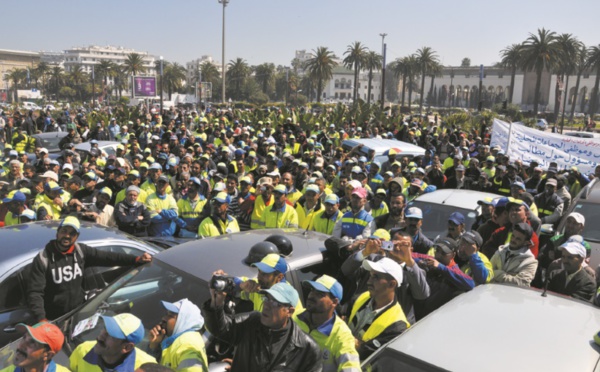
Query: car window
point(591, 212)
point(391, 360)
point(435, 217)
point(51, 143)
point(109, 150)
point(117, 248)
point(12, 292)
point(140, 292)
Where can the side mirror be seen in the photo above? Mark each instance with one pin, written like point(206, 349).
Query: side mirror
point(547, 229)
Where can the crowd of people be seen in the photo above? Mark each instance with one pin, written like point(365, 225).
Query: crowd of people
point(203, 174)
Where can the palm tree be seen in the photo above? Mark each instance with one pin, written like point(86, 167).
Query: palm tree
point(77, 77)
point(134, 64)
point(105, 70)
point(57, 77)
point(511, 58)
point(580, 66)
point(435, 70)
point(43, 69)
point(373, 61)
point(355, 56)
point(320, 68)
point(565, 65)
point(237, 73)
point(120, 82)
point(594, 64)
point(173, 75)
point(210, 73)
point(265, 76)
point(427, 58)
point(16, 75)
point(539, 53)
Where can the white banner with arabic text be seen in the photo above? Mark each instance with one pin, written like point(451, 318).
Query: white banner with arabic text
point(529, 144)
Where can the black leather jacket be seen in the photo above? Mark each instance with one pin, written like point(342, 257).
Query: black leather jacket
point(253, 347)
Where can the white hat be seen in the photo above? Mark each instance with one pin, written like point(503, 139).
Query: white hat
point(68, 166)
point(578, 217)
point(386, 266)
point(50, 174)
point(576, 249)
point(43, 149)
point(354, 184)
point(319, 162)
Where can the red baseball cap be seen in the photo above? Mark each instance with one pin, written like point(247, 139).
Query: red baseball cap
point(360, 191)
point(45, 333)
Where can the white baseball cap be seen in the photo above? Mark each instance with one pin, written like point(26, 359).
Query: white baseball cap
point(576, 249)
point(386, 266)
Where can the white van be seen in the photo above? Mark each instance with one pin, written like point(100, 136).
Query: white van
point(30, 106)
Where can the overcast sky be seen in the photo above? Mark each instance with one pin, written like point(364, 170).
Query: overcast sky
point(272, 30)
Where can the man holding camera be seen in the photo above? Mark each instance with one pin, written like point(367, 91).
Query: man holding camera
point(268, 340)
point(176, 340)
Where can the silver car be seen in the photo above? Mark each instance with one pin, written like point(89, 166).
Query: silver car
point(499, 328)
point(21, 243)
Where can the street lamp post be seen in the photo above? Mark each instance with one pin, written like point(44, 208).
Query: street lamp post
point(224, 2)
point(383, 35)
point(161, 85)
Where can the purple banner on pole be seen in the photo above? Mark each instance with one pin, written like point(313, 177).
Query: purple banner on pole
point(144, 86)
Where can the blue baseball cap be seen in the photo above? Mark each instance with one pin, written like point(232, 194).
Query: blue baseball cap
point(457, 218)
point(282, 293)
point(173, 307)
point(326, 284)
point(124, 326)
point(502, 202)
point(271, 263)
point(17, 196)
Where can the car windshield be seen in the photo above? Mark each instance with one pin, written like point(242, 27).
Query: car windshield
point(51, 143)
point(591, 212)
point(435, 217)
point(139, 292)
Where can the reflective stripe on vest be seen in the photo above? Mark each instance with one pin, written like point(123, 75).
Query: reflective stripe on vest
point(381, 321)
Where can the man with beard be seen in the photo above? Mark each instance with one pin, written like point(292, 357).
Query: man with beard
point(550, 206)
point(154, 172)
point(114, 349)
point(393, 219)
point(487, 210)
point(269, 340)
point(40, 343)
point(514, 263)
point(177, 340)
point(131, 215)
point(414, 221)
point(100, 212)
point(55, 283)
point(133, 179)
point(329, 331)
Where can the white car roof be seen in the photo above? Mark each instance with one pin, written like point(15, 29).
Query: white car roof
point(456, 198)
point(503, 328)
point(382, 145)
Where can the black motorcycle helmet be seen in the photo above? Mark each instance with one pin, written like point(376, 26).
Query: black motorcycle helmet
point(284, 245)
point(259, 251)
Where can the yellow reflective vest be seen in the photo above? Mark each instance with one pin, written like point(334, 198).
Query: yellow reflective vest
point(84, 359)
point(335, 341)
point(259, 208)
point(186, 353)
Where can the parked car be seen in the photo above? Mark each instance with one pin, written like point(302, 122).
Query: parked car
point(381, 146)
point(184, 271)
point(109, 147)
point(50, 140)
point(27, 105)
point(437, 207)
point(21, 243)
point(582, 134)
point(587, 202)
point(497, 327)
point(541, 124)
